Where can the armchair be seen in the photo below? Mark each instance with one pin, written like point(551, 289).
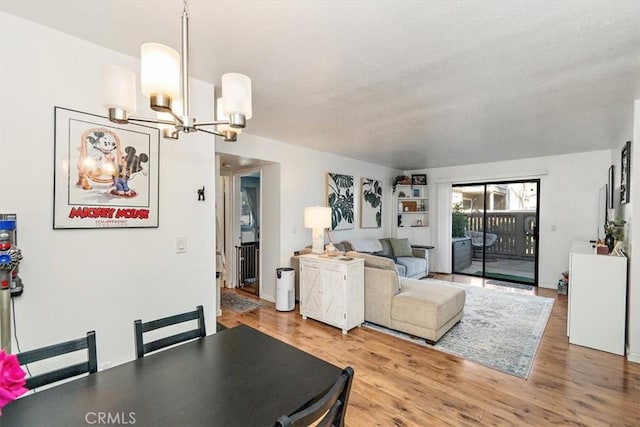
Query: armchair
point(478, 241)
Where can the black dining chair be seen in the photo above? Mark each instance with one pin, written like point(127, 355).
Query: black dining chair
point(140, 328)
point(332, 404)
point(90, 366)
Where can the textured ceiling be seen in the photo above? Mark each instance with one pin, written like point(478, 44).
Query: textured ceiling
point(397, 83)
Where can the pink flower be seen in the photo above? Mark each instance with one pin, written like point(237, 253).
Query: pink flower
point(11, 379)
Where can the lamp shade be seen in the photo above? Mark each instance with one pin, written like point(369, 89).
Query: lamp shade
point(119, 88)
point(221, 115)
point(317, 217)
point(236, 92)
point(160, 70)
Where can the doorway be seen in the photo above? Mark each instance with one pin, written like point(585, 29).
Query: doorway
point(248, 249)
point(494, 229)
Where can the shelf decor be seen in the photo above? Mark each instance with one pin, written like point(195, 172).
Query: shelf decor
point(419, 179)
point(371, 203)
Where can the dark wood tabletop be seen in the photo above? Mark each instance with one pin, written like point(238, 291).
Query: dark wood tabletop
point(237, 377)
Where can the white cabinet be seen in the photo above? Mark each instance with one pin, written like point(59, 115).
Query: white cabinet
point(332, 290)
point(597, 299)
point(412, 213)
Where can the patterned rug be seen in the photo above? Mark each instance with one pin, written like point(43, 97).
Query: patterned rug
point(498, 329)
point(232, 301)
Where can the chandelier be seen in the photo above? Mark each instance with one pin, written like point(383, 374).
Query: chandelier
point(164, 75)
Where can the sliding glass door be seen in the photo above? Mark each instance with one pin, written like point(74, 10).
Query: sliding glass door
point(495, 230)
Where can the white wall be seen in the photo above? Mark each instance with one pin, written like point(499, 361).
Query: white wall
point(569, 192)
point(78, 280)
point(633, 233)
point(302, 183)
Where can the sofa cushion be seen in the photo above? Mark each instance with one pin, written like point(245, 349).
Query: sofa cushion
point(429, 306)
point(341, 247)
point(387, 250)
point(415, 267)
point(366, 245)
point(401, 247)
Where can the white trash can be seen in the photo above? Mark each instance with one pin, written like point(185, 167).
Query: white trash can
point(285, 290)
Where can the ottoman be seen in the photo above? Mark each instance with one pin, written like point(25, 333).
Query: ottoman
point(426, 308)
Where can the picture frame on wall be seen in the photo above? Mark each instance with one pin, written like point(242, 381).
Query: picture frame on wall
point(340, 198)
point(625, 174)
point(419, 179)
point(610, 187)
point(370, 203)
point(105, 175)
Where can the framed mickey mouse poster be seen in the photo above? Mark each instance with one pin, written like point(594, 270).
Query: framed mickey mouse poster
point(105, 174)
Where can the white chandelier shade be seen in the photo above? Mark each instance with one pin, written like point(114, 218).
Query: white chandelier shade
point(159, 70)
point(236, 93)
point(119, 88)
point(164, 78)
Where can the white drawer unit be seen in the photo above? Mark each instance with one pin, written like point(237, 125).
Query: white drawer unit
point(597, 299)
point(332, 290)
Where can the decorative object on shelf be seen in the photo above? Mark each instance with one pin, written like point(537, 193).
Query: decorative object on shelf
point(201, 194)
point(609, 241)
point(165, 80)
point(317, 218)
point(400, 180)
point(401, 194)
point(416, 192)
point(12, 383)
point(340, 194)
point(419, 179)
point(371, 203)
point(117, 173)
point(625, 174)
point(610, 188)
point(615, 229)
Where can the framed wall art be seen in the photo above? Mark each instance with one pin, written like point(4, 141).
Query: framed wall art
point(340, 193)
point(419, 179)
point(610, 187)
point(105, 175)
point(625, 174)
point(370, 203)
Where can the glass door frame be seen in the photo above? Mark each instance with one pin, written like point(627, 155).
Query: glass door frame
point(535, 231)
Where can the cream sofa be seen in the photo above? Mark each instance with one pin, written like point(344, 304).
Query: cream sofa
point(424, 308)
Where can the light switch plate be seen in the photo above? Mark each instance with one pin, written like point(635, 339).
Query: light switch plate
point(181, 245)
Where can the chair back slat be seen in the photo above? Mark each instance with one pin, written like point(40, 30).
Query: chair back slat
point(57, 375)
point(90, 366)
point(331, 405)
point(140, 328)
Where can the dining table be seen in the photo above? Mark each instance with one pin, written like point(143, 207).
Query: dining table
point(236, 377)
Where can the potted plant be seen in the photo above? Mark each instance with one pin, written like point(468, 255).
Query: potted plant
point(400, 179)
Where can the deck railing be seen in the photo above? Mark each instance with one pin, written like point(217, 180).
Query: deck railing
point(514, 230)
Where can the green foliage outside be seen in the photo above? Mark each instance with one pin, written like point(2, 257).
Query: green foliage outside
point(459, 221)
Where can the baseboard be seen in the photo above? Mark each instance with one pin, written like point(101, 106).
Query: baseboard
point(633, 357)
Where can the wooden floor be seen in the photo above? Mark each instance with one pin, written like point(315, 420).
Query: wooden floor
point(398, 383)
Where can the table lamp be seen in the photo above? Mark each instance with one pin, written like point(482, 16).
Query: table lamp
point(317, 218)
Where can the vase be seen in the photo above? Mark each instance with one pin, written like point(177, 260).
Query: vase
point(609, 241)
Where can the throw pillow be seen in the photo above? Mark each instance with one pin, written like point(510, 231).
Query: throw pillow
point(387, 250)
point(401, 247)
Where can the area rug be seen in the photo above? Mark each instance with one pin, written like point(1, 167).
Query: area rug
point(500, 330)
point(510, 284)
point(232, 301)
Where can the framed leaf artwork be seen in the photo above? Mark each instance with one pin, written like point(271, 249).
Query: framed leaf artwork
point(370, 203)
point(340, 193)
